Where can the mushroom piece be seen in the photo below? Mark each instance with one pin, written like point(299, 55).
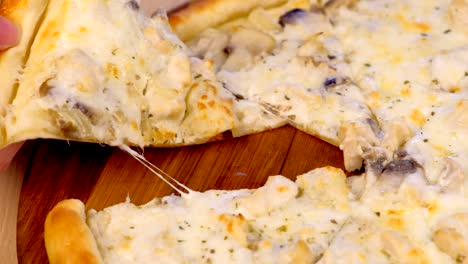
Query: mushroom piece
point(292, 16)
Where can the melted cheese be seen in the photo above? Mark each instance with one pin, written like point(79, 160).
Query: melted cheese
point(102, 71)
point(283, 221)
point(397, 223)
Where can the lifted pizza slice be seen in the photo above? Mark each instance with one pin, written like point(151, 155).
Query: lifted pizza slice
point(101, 71)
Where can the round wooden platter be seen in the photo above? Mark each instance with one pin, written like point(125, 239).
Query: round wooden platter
point(102, 176)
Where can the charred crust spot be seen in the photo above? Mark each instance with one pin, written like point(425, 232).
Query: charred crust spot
point(228, 50)
point(292, 16)
point(133, 5)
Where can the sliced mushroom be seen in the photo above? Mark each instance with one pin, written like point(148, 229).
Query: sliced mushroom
point(401, 167)
point(458, 14)
point(292, 16)
point(450, 236)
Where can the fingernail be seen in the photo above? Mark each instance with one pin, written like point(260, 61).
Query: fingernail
point(9, 33)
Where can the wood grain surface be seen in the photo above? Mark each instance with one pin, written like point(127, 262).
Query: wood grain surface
point(102, 176)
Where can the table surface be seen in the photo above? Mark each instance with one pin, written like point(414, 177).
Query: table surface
point(102, 176)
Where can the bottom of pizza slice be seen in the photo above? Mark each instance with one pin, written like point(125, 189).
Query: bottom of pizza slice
point(281, 222)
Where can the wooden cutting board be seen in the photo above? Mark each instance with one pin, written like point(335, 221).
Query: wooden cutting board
point(102, 176)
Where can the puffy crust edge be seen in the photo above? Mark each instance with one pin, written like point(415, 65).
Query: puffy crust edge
point(201, 14)
point(67, 236)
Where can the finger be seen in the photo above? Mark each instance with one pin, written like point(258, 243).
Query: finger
point(7, 154)
point(9, 33)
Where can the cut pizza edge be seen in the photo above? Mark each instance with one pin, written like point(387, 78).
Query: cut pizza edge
point(359, 137)
point(202, 112)
point(290, 220)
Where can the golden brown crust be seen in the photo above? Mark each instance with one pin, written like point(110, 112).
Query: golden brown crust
point(202, 14)
point(67, 237)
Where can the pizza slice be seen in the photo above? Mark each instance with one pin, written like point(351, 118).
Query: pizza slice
point(101, 71)
point(266, 58)
point(26, 14)
point(283, 221)
point(402, 218)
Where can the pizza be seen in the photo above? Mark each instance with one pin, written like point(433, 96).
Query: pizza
point(386, 81)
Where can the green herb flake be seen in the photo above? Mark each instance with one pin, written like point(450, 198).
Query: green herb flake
point(287, 98)
point(386, 254)
point(282, 228)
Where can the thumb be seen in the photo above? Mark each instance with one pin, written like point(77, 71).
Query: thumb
point(9, 33)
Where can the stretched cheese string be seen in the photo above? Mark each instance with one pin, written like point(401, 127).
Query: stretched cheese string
point(157, 171)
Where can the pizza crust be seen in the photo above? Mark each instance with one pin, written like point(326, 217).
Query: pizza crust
point(202, 14)
point(67, 237)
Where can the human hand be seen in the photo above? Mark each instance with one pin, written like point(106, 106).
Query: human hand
point(9, 33)
point(7, 154)
point(9, 36)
